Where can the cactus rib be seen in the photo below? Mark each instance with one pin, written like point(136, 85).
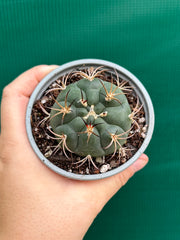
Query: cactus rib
point(93, 114)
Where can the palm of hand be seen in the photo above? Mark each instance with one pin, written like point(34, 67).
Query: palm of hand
point(33, 197)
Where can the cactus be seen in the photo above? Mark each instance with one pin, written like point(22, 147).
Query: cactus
point(91, 117)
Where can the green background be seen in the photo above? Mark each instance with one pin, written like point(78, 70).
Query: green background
point(140, 35)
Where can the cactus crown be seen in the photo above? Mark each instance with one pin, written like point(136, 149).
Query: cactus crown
point(91, 117)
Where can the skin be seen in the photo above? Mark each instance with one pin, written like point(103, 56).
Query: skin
point(36, 203)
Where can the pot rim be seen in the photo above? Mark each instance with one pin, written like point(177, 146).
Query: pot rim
point(139, 89)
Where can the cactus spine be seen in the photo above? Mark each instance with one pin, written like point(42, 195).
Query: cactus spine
point(91, 117)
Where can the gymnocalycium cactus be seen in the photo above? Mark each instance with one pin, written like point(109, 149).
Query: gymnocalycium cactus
point(91, 117)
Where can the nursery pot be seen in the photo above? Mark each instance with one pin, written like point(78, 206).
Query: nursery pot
point(125, 75)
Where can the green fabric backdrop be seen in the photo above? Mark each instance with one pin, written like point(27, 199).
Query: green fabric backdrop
point(140, 35)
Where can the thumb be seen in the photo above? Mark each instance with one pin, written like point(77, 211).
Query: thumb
point(124, 176)
point(109, 186)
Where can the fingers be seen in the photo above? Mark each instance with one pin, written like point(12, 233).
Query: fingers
point(27, 81)
point(16, 96)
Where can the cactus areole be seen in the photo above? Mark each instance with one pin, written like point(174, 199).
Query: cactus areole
point(90, 117)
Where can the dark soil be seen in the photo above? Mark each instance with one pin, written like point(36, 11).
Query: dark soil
point(46, 144)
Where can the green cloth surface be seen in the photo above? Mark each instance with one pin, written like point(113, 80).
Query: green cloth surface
point(140, 35)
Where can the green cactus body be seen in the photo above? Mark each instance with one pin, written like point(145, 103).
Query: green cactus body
point(91, 118)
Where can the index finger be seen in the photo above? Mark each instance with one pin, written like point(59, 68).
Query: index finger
point(16, 96)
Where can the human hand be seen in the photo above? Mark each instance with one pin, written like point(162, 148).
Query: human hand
point(35, 202)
